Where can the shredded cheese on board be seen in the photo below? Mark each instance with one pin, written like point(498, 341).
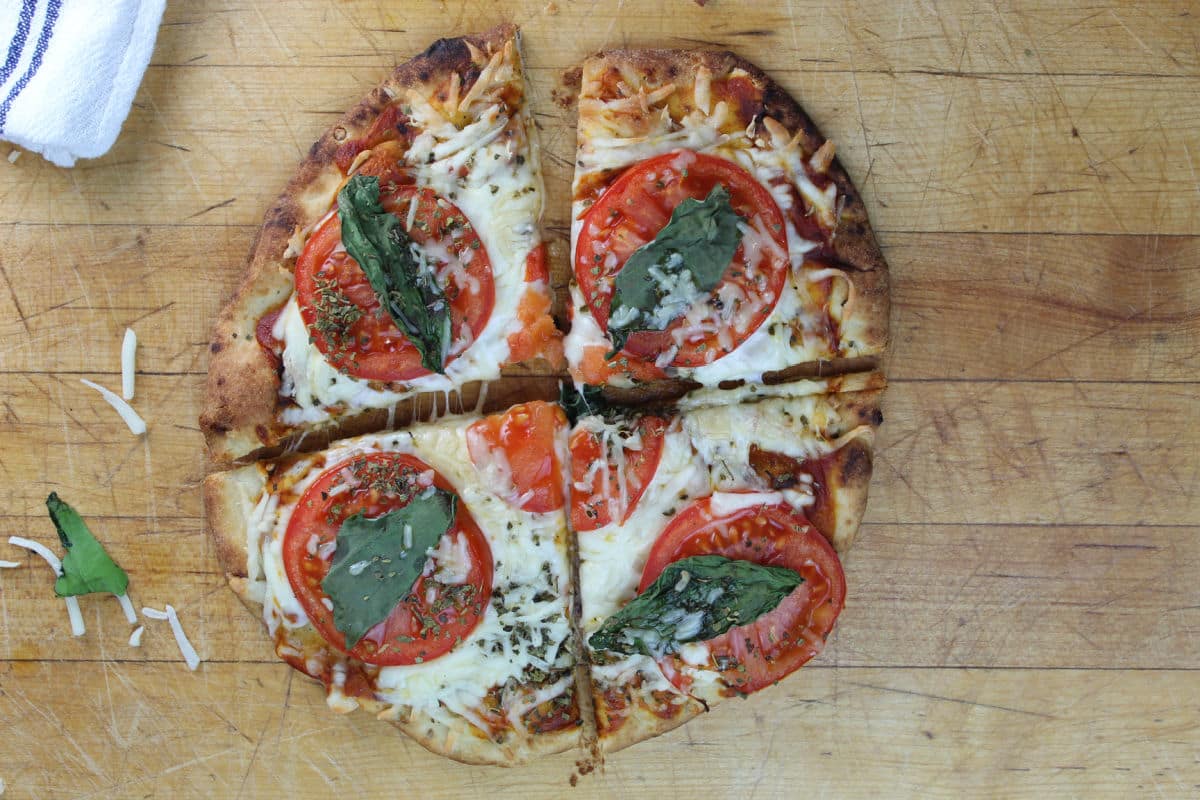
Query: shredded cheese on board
point(137, 425)
point(128, 352)
point(76, 617)
point(190, 656)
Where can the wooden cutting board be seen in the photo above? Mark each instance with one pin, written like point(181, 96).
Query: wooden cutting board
point(1024, 617)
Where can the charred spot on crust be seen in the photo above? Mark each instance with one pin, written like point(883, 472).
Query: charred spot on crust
point(857, 463)
point(281, 215)
point(446, 51)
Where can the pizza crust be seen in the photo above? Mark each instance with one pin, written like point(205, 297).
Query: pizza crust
point(848, 474)
point(229, 501)
point(463, 744)
point(242, 392)
point(641, 724)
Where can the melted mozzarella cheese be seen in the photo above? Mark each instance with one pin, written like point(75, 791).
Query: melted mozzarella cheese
point(724, 504)
point(585, 333)
point(525, 626)
point(499, 190)
point(749, 393)
point(799, 427)
point(450, 558)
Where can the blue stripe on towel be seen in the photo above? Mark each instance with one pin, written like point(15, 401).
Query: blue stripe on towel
point(39, 51)
point(17, 45)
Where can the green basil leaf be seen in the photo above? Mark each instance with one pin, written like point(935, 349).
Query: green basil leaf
point(665, 277)
point(373, 570)
point(408, 291)
point(86, 567)
point(717, 594)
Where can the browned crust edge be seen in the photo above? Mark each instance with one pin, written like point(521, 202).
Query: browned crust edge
point(642, 724)
point(242, 391)
point(229, 499)
point(468, 748)
point(848, 475)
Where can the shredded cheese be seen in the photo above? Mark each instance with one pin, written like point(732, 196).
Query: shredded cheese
point(189, 653)
point(9, 564)
point(127, 607)
point(76, 617)
point(137, 425)
point(128, 351)
point(135, 638)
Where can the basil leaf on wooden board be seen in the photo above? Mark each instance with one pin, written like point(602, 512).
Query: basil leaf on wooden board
point(86, 567)
point(376, 563)
point(694, 600)
point(686, 259)
point(408, 292)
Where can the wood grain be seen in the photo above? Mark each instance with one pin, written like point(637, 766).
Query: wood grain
point(932, 152)
point(1005, 37)
point(1024, 619)
point(940, 733)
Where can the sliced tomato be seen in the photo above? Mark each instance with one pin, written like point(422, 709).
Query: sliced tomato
point(520, 449)
point(594, 369)
point(342, 313)
point(536, 267)
point(779, 642)
point(434, 616)
point(606, 482)
point(638, 205)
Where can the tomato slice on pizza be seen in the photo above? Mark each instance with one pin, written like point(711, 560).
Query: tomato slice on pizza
point(763, 650)
point(697, 324)
point(446, 599)
point(343, 313)
point(611, 469)
point(518, 454)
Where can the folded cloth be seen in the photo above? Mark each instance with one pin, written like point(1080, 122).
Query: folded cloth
point(71, 70)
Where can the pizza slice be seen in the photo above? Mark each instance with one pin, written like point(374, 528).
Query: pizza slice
point(403, 259)
point(715, 238)
point(707, 541)
point(422, 575)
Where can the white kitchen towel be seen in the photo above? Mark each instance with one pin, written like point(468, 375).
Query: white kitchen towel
point(71, 70)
